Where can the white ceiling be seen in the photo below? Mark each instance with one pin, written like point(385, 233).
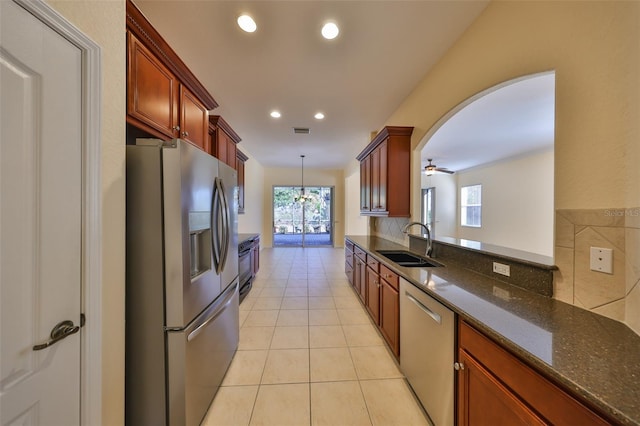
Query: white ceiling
point(357, 80)
point(509, 121)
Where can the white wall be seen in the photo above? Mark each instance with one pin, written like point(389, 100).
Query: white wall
point(517, 203)
point(104, 22)
point(355, 224)
point(446, 203)
point(252, 219)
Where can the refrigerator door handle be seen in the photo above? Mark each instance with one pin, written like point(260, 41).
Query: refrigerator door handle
point(226, 225)
point(215, 232)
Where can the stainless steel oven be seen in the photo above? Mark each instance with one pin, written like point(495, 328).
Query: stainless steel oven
point(245, 267)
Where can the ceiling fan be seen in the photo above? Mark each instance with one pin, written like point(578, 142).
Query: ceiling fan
point(430, 168)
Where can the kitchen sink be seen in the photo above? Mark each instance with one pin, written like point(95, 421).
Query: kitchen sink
point(408, 259)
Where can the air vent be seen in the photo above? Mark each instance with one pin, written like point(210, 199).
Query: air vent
point(301, 130)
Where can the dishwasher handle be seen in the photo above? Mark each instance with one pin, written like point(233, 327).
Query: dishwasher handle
point(436, 317)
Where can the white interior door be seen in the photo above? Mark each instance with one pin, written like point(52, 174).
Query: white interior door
point(40, 220)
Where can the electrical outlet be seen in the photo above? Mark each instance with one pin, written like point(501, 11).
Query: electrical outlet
point(502, 269)
point(601, 260)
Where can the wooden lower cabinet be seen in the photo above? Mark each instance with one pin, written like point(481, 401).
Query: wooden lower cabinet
point(373, 294)
point(377, 287)
point(360, 272)
point(390, 308)
point(496, 388)
point(348, 261)
point(483, 400)
point(390, 316)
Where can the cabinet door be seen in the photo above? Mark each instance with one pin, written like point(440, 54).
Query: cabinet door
point(483, 400)
point(375, 179)
point(365, 185)
point(373, 295)
point(524, 385)
point(379, 178)
point(152, 91)
point(381, 151)
point(194, 120)
point(348, 270)
point(240, 168)
point(356, 274)
point(390, 316)
point(362, 285)
point(231, 154)
point(360, 277)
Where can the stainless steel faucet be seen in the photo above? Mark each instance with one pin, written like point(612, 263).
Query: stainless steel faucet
point(405, 230)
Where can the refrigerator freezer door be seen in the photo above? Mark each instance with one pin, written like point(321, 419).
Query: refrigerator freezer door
point(198, 358)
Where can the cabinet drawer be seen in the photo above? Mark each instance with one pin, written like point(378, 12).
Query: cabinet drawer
point(360, 253)
point(373, 263)
point(348, 245)
point(389, 276)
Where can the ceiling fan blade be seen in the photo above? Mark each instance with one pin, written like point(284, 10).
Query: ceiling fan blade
point(438, 169)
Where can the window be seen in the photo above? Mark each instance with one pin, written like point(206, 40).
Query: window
point(428, 208)
point(471, 206)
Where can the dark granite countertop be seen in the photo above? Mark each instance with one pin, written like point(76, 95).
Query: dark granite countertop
point(596, 358)
point(537, 260)
point(247, 236)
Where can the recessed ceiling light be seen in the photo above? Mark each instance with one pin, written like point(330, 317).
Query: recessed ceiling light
point(275, 114)
point(330, 31)
point(247, 23)
point(319, 116)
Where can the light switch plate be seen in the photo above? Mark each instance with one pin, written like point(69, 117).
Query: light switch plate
point(601, 260)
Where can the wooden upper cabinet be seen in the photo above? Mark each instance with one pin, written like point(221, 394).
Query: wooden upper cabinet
point(385, 173)
point(241, 159)
point(194, 119)
point(164, 98)
point(223, 140)
point(365, 185)
point(152, 90)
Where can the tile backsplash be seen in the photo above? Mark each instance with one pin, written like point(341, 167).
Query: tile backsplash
point(389, 228)
point(615, 295)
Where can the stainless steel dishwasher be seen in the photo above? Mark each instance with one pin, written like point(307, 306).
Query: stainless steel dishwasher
point(427, 351)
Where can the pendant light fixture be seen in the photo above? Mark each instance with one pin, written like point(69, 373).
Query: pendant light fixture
point(302, 198)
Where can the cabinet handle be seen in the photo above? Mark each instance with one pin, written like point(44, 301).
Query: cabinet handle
point(458, 366)
point(176, 128)
point(185, 134)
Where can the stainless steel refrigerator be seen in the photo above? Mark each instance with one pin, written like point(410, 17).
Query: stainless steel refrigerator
point(182, 322)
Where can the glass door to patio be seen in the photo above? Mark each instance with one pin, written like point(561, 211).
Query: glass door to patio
point(301, 224)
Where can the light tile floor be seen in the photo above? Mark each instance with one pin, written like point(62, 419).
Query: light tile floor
point(308, 352)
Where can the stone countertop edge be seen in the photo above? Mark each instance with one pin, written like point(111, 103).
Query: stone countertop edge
point(247, 236)
point(520, 256)
point(594, 357)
